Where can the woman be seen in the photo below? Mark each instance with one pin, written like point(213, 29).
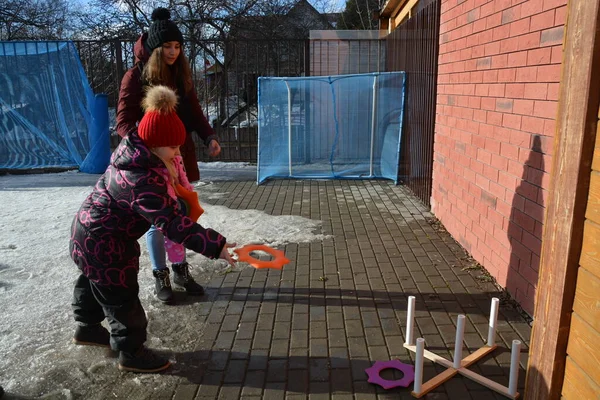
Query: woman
point(160, 61)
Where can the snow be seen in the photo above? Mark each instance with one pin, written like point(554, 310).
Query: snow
point(37, 275)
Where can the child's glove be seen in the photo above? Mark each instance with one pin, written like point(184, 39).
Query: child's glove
point(191, 205)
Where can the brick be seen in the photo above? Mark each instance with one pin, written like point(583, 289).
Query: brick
point(499, 162)
point(548, 4)
point(494, 118)
point(549, 73)
point(536, 91)
point(534, 210)
point(509, 45)
point(505, 105)
point(511, 14)
point(549, 130)
point(511, 121)
point(539, 56)
point(488, 103)
point(491, 49)
point(520, 27)
point(553, 91)
point(523, 107)
point(530, 41)
point(515, 90)
point(482, 89)
point(527, 74)
point(519, 138)
point(507, 75)
point(497, 90)
point(522, 252)
point(531, 7)
point(509, 151)
point(484, 63)
point(492, 146)
point(486, 9)
point(506, 180)
point(501, 32)
point(493, 20)
point(500, 61)
point(560, 17)
point(500, 5)
point(490, 76)
point(542, 21)
point(479, 26)
point(545, 109)
point(553, 36)
point(472, 15)
point(518, 59)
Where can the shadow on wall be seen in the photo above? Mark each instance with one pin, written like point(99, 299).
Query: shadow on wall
point(542, 390)
point(525, 230)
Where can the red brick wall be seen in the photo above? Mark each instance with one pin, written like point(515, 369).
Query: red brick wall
point(499, 73)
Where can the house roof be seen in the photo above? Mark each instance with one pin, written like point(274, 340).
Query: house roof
point(301, 18)
point(389, 7)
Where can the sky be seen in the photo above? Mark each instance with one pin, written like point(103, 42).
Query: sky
point(37, 274)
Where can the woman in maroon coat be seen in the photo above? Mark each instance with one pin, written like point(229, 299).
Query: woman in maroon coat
point(160, 61)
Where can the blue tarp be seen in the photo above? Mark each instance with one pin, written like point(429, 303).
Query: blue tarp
point(336, 127)
point(49, 116)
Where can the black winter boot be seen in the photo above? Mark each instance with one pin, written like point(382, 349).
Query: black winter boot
point(91, 335)
point(143, 360)
point(162, 285)
point(182, 277)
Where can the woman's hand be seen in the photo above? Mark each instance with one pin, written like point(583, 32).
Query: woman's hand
point(225, 253)
point(214, 148)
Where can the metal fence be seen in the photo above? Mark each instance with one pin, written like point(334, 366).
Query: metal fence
point(226, 75)
point(413, 48)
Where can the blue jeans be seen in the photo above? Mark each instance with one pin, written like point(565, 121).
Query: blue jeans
point(156, 248)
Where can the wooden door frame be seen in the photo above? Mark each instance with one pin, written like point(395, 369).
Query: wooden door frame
point(567, 199)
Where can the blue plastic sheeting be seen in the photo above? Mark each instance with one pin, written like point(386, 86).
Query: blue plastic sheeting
point(49, 116)
point(330, 127)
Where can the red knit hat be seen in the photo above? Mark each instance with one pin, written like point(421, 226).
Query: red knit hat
point(160, 126)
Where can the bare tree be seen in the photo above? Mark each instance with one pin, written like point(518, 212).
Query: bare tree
point(34, 19)
point(359, 14)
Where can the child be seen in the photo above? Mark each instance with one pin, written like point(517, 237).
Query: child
point(183, 192)
point(134, 193)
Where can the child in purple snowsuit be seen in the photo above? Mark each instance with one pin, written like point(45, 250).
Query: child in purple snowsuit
point(134, 193)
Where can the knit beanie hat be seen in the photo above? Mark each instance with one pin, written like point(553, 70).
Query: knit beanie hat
point(162, 29)
point(160, 126)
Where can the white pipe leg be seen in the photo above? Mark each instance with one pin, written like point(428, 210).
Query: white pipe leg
point(515, 356)
point(493, 322)
point(458, 344)
point(419, 365)
point(410, 321)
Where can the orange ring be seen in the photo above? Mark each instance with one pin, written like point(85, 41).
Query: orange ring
point(278, 261)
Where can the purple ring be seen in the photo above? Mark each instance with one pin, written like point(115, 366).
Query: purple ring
point(374, 371)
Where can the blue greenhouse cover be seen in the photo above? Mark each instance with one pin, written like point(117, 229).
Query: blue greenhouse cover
point(333, 127)
point(49, 115)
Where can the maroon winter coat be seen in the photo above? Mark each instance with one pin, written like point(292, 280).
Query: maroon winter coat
point(129, 110)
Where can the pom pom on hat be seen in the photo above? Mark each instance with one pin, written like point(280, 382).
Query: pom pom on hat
point(160, 126)
point(162, 29)
point(161, 99)
point(160, 14)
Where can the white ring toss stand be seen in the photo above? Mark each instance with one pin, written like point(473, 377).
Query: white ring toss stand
point(459, 365)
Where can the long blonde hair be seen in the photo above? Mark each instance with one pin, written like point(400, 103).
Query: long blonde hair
point(170, 167)
point(157, 72)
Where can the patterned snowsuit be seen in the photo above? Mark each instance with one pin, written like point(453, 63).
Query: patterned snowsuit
point(130, 196)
